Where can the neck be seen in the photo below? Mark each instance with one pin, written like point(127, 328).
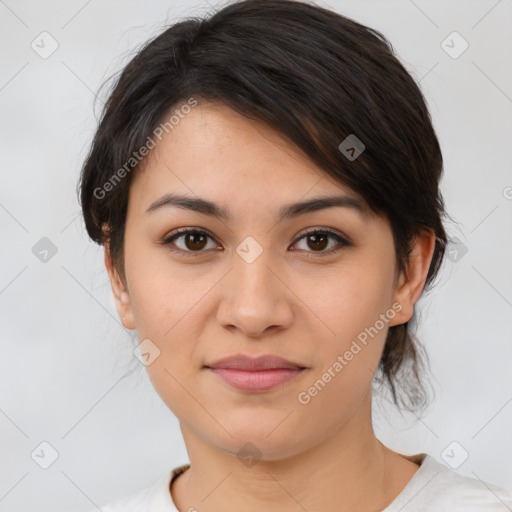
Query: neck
point(350, 470)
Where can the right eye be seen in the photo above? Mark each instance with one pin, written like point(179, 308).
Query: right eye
point(190, 241)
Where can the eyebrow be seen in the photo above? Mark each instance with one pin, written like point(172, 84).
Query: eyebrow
point(288, 211)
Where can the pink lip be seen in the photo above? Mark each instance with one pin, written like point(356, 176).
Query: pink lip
point(258, 374)
point(259, 380)
point(263, 362)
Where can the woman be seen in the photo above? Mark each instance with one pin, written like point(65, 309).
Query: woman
point(265, 183)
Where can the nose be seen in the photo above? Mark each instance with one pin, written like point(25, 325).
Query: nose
point(255, 298)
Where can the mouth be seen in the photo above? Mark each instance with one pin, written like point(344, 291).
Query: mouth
point(260, 374)
point(256, 380)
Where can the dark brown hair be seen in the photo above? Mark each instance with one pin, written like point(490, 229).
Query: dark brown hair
point(316, 77)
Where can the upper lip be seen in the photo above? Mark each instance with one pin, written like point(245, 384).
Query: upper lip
point(263, 362)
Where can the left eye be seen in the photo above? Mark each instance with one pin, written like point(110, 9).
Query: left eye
point(319, 239)
point(196, 241)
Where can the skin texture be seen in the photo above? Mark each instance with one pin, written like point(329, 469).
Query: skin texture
point(197, 309)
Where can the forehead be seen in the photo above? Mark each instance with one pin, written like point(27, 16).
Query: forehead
point(213, 152)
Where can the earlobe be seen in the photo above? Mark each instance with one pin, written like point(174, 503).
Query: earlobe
point(121, 295)
point(411, 283)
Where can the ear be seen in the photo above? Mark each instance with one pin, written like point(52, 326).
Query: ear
point(411, 283)
point(121, 295)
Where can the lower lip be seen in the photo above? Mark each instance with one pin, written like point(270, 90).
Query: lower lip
point(261, 380)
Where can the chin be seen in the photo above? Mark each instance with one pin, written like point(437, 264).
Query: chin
point(268, 439)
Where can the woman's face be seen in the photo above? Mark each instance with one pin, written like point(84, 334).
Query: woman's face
point(255, 284)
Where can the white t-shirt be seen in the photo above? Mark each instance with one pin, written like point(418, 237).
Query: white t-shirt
point(433, 488)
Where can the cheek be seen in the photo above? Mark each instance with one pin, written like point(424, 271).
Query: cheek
point(354, 309)
point(349, 351)
point(168, 309)
point(162, 300)
point(352, 301)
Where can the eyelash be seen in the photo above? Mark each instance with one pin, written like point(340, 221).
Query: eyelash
point(310, 254)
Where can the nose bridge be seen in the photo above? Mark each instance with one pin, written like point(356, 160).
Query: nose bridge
point(252, 272)
point(255, 298)
point(252, 265)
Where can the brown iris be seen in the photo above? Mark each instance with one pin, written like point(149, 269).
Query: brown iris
point(195, 241)
point(318, 245)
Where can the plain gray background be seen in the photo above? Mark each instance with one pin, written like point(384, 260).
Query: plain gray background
point(63, 350)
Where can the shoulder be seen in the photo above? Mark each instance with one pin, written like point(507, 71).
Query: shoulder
point(155, 497)
point(438, 488)
point(136, 502)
